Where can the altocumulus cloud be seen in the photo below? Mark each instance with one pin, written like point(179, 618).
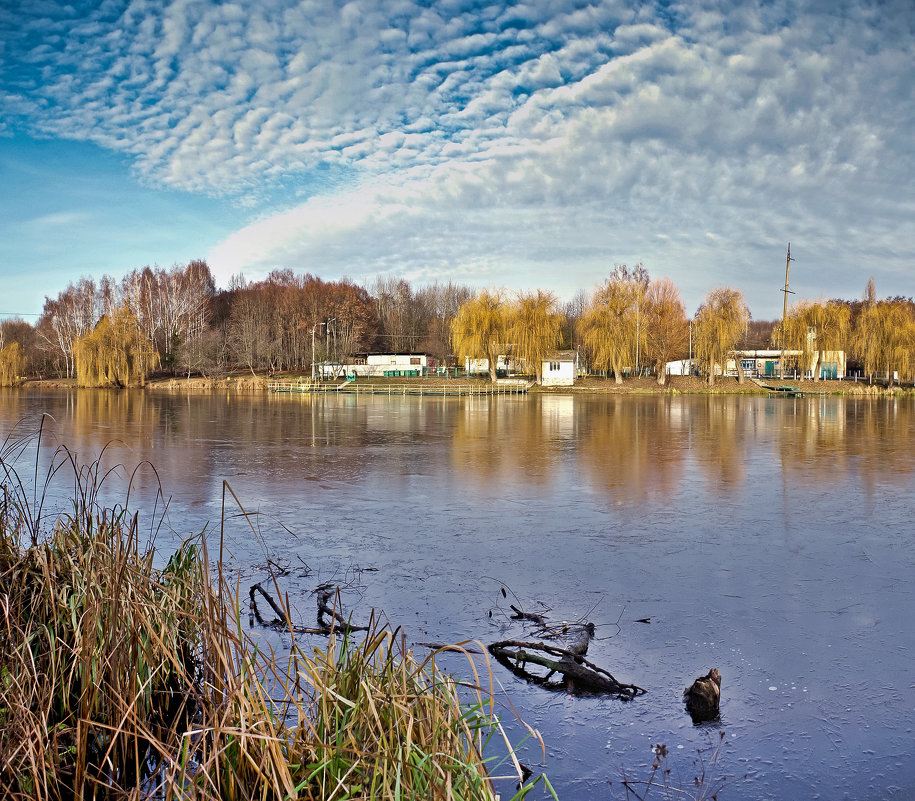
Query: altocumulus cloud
point(520, 144)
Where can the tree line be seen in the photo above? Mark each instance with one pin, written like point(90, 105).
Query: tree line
point(116, 333)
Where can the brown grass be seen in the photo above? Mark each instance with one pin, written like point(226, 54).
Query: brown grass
point(122, 680)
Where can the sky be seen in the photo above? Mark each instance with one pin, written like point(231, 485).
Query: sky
point(527, 145)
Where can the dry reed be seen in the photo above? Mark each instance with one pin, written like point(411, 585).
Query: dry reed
point(122, 680)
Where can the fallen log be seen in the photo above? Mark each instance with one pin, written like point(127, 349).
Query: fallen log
point(576, 672)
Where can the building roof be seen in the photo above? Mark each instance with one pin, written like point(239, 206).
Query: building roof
point(561, 356)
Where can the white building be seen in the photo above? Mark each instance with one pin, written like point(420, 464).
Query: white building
point(680, 367)
point(559, 369)
point(378, 365)
point(505, 365)
point(399, 364)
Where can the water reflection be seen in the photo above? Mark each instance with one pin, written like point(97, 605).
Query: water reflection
point(766, 537)
point(823, 439)
point(633, 451)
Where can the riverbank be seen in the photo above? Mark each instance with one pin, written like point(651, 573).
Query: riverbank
point(676, 385)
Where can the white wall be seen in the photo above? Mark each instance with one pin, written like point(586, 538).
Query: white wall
point(563, 377)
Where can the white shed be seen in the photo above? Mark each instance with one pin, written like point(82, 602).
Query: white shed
point(560, 368)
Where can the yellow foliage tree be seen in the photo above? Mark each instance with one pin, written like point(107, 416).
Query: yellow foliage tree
point(535, 329)
point(814, 328)
point(12, 364)
point(720, 322)
point(884, 338)
point(665, 325)
point(611, 326)
point(115, 353)
point(480, 329)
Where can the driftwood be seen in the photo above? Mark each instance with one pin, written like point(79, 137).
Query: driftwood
point(576, 672)
point(324, 595)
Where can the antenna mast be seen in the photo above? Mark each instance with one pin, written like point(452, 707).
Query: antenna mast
point(787, 291)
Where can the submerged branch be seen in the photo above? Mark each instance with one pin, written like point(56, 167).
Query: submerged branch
point(577, 672)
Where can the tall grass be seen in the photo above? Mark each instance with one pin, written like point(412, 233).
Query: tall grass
point(122, 680)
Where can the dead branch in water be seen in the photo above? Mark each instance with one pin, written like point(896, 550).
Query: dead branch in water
point(572, 667)
point(520, 614)
point(325, 592)
point(282, 622)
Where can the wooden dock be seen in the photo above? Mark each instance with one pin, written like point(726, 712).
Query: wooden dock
point(455, 389)
point(783, 391)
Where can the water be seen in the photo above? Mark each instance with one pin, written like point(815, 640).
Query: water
point(770, 538)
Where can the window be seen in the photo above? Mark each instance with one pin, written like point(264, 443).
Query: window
point(414, 360)
point(554, 367)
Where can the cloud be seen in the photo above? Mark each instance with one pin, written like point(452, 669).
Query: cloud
point(54, 224)
point(461, 136)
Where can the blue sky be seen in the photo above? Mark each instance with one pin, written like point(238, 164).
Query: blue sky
point(524, 145)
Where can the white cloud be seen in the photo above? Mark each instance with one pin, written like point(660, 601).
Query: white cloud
point(471, 135)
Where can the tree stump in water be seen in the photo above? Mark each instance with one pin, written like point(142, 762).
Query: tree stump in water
point(703, 696)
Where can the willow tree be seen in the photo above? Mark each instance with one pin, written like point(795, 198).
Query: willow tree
point(114, 353)
point(719, 324)
point(814, 328)
point(535, 328)
point(611, 324)
point(665, 325)
point(884, 338)
point(480, 329)
point(12, 364)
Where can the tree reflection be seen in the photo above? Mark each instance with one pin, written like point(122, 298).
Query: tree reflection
point(830, 437)
point(501, 438)
point(724, 431)
point(633, 448)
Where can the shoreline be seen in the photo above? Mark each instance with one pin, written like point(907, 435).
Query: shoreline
point(675, 385)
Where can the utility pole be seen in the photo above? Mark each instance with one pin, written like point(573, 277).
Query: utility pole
point(313, 328)
point(787, 291)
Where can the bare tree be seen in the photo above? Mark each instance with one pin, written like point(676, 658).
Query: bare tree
point(67, 318)
point(441, 303)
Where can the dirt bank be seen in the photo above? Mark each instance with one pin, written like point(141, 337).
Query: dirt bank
point(686, 385)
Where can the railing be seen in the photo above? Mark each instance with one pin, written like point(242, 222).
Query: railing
point(506, 387)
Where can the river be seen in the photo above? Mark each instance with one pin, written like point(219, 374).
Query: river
point(768, 537)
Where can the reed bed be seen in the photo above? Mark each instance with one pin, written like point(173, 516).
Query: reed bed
point(119, 679)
